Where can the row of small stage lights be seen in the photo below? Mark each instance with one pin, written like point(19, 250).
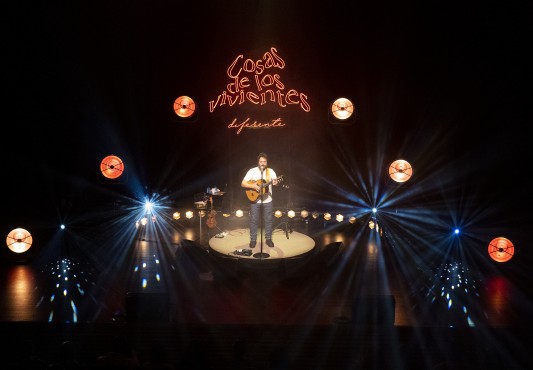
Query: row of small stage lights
point(304, 214)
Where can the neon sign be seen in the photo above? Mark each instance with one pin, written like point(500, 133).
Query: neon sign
point(255, 125)
point(259, 83)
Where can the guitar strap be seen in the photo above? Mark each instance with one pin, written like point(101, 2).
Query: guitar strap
point(268, 180)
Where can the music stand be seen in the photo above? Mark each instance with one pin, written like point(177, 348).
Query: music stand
point(200, 203)
point(261, 254)
point(287, 226)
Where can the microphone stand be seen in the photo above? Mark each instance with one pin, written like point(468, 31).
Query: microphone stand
point(261, 254)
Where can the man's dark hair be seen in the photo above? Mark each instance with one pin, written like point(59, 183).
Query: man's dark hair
point(262, 155)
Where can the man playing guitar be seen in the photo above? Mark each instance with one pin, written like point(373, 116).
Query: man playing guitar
point(258, 183)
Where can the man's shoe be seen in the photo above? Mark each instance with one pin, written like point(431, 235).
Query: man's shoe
point(252, 245)
point(270, 243)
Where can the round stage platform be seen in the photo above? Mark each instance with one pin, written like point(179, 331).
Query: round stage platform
point(235, 243)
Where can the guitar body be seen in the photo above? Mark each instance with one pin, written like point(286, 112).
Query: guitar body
point(252, 194)
point(211, 219)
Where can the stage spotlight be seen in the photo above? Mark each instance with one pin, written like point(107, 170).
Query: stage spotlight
point(352, 220)
point(144, 221)
point(400, 171)
point(185, 109)
point(19, 240)
point(176, 215)
point(189, 214)
point(278, 214)
point(239, 213)
point(456, 231)
point(291, 214)
point(501, 249)
point(304, 214)
point(315, 214)
point(148, 206)
point(341, 111)
point(374, 210)
point(62, 227)
point(327, 216)
point(339, 218)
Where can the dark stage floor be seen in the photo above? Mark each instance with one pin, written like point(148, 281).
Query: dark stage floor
point(342, 293)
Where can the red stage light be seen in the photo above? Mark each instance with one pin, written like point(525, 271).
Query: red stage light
point(112, 167)
point(501, 249)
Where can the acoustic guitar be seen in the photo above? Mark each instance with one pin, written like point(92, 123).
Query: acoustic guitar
point(252, 194)
point(211, 219)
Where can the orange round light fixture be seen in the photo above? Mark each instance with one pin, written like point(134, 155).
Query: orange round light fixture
point(342, 108)
point(112, 167)
point(501, 249)
point(400, 170)
point(19, 240)
point(184, 106)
